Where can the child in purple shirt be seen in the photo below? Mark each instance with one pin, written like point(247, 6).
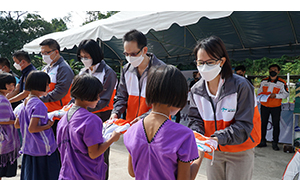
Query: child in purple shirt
point(79, 134)
point(9, 139)
point(159, 148)
point(40, 157)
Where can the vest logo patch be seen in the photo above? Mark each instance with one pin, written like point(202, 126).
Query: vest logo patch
point(228, 110)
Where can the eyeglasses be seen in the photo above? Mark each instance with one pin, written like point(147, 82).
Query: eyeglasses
point(132, 54)
point(209, 62)
point(47, 53)
point(83, 57)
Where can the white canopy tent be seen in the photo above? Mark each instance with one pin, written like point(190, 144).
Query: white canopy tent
point(122, 22)
point(172, 35)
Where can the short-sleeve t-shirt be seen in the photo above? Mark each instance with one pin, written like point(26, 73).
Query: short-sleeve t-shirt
point(40, 143)
point(9, 139)
point(158, 159)
point(84, 129)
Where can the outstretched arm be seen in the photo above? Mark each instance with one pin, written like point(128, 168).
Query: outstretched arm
point(130, 167)
point(187, 170)
point(97, 149)
point(19, 96)
point(196, 165)
point(7, 122)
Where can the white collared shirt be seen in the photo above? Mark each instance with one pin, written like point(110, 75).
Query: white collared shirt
point(215, 97)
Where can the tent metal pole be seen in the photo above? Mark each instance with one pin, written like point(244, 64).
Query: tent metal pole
point(288, 82)
point(263, 47)
point(121, 64)
point(191, 33)
point(100, 42)
point(237, 32)
point(184, 36)
point(160, 43)
point(292, 27)
point(149, 39)
point(112, 50)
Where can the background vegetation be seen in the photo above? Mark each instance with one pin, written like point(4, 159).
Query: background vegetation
point(20, 27)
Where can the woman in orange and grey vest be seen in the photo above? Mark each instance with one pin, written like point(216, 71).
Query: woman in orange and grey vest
point(223, 107)
point(90, 54)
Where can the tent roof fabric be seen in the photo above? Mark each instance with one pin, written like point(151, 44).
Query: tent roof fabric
point(172, 35)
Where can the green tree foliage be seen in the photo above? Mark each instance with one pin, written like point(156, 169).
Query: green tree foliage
point(18, 28)
point(260, 67)
point(12, 36)
point(96, 15)
point(34, 26)
point(75, 65)
point(58, 25)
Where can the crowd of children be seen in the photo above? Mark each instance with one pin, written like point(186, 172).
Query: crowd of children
point(79, 132)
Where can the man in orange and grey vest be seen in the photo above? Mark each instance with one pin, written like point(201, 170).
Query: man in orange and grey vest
point(277, 89)
point(61, 76)
point(131, 90)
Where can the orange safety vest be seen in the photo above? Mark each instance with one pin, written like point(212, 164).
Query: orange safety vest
point(57, 105)
point(269, 87)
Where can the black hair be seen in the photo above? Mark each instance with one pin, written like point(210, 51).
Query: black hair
point(241, 67)
point(215, 48)
point(37, 80)
point(6, 78)
point(166, 85)
point(4, 62)
point(92, 47)
point(275, 65)
point(22, 55)
point(137, 36)
point(86, 87)
point(53, 44)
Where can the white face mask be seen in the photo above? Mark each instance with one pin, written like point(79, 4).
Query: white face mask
point(135, 61)
point(17, 66)
point(47, 58)
point(87, 62)
point(209, 73)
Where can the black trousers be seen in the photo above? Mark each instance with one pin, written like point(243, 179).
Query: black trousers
point(275, 114)
point(104, 117)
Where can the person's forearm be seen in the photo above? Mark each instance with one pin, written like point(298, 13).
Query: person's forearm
point(196, 165)
point(13, 93)
point(17, 124)
point(130, 168)
point(8, 122)
point(39, 128)
point(101, 148)
point(19, 97)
